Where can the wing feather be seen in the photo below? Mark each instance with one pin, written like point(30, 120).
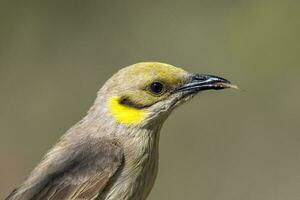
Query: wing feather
point(82, 173)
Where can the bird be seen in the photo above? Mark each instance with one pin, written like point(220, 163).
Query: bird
point(112, 153)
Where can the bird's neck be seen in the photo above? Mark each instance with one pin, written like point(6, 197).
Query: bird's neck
point(141, 162)
point(140, 145)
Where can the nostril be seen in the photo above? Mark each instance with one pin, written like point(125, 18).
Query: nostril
point(200, 77)
point(206, 77)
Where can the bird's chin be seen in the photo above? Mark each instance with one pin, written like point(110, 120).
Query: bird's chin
point(161, 110)
point(182, 97)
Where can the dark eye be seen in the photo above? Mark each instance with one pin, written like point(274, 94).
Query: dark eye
point(156, 88)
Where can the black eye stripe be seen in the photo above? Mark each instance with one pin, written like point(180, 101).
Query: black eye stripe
point(156, 87)
point(128, 102)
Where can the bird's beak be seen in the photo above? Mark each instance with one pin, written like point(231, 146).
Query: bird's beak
point(200, 82)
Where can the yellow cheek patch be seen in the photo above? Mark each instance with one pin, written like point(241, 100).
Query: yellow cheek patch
point(125, 114)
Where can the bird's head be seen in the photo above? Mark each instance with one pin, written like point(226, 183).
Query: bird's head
point(145, 93)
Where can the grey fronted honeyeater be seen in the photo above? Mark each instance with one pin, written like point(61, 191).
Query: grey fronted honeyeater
point(112, 153)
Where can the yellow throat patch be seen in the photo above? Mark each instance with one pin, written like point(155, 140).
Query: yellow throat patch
point(124, 114)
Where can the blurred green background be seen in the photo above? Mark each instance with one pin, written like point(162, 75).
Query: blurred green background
point(229, 145)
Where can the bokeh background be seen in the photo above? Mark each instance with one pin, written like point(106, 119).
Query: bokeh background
point(229, 145)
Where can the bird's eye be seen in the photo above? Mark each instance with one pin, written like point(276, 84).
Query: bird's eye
point(156, 88)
